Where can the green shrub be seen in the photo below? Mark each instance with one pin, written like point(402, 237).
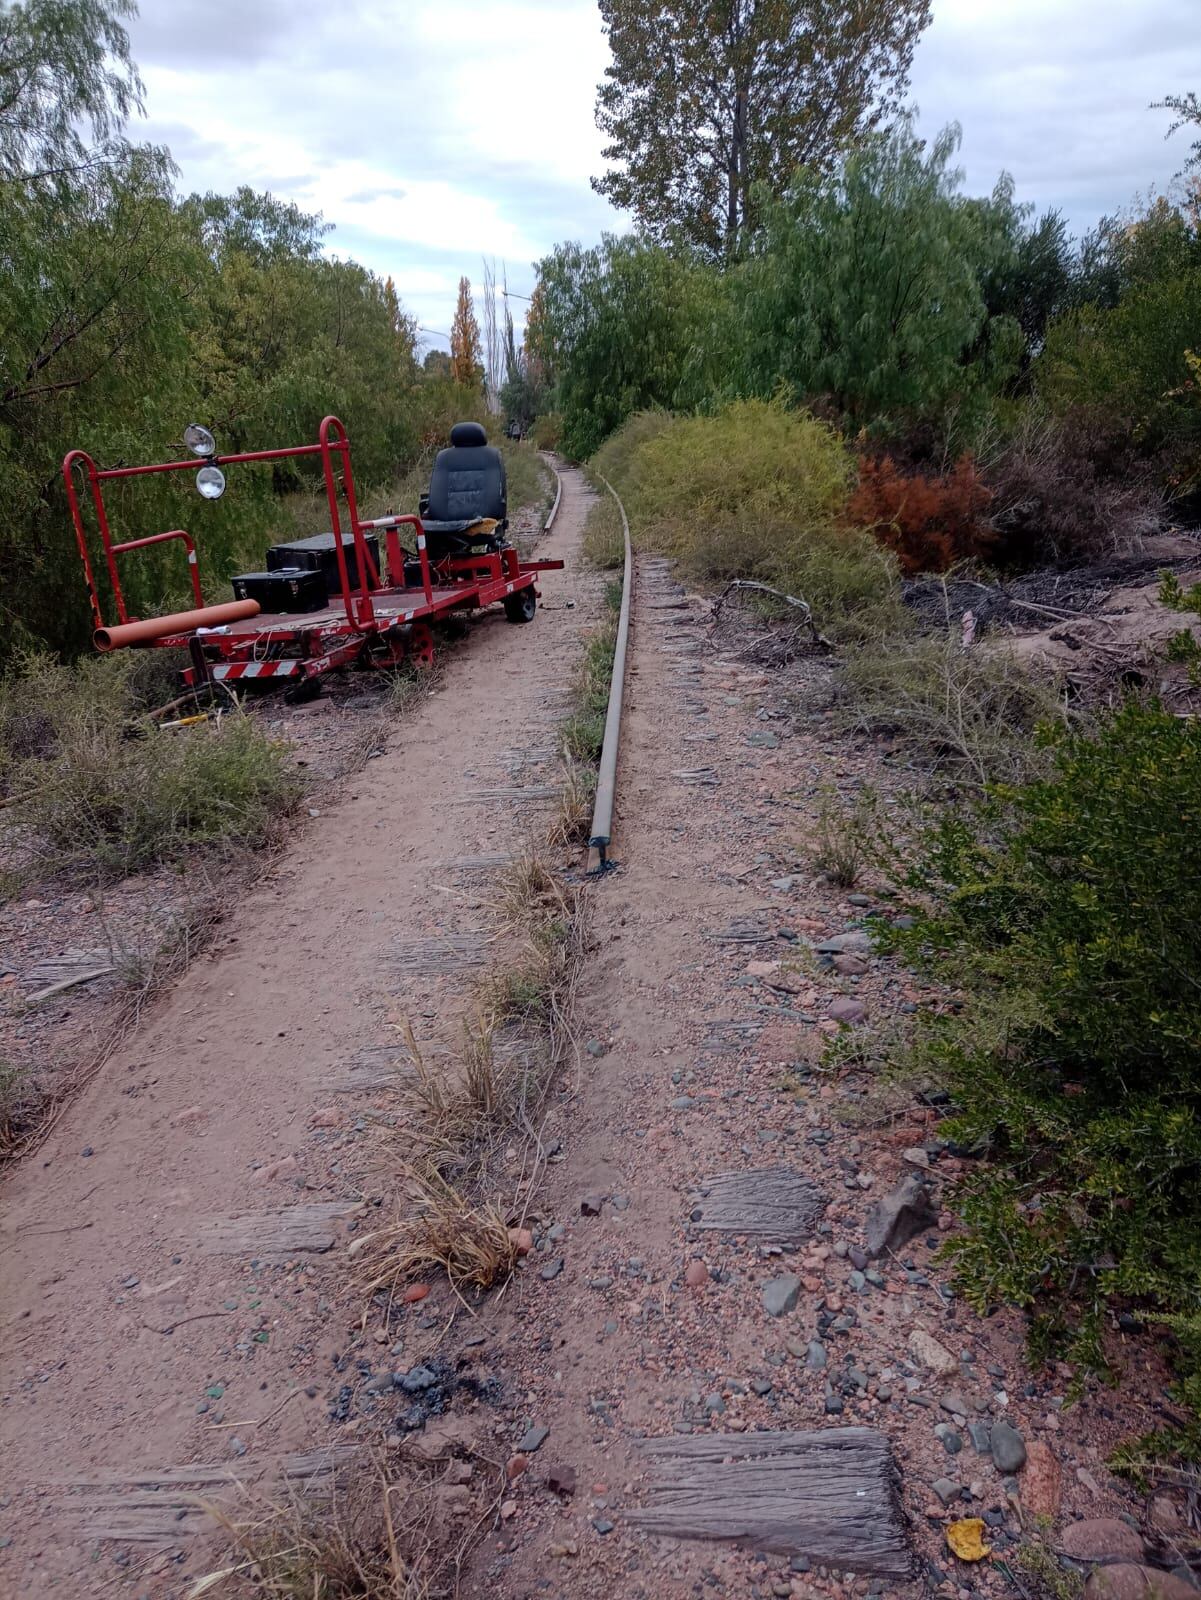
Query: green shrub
point(547, 432)
point(99, 788)
point(755, 491)
point(970, 715)
point(1069, 911)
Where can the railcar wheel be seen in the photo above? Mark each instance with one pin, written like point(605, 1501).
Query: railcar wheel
point(520, 607)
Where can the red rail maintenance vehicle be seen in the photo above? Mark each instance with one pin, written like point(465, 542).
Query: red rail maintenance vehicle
point(326, 602)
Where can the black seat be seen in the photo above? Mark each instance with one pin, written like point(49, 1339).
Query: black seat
point(467, 484)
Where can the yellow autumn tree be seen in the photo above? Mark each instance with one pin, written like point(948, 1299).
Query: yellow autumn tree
point(466, 351)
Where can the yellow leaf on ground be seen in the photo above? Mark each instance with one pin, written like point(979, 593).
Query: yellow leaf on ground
point(966, 1539)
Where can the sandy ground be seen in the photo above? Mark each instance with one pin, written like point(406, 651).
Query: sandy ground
point(704, 1020)
point(706, 1057)
point(137, 1336)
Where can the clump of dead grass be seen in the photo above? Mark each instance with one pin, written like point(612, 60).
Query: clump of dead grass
point(441, 1230)
point(457, 1114)
point(572, 822)
point(375, 1537)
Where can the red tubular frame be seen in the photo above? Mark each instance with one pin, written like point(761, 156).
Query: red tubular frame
point(396, 556)
point(332, 438)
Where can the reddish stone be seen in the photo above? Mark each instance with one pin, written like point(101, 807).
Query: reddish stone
point(1101, 1537)
point(696, 1274)
point(415, 1292)
point(1129, 1581)
point(515, 1467)
point(1042, 1489)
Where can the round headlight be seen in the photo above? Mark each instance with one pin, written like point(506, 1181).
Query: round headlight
point(199, 440)
point(211, 482)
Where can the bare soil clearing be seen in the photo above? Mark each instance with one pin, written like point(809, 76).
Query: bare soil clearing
point(634, 1416)
point(171, 1256)
point(709, 1008)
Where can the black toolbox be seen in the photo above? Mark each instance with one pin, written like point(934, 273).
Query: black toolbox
point(318, 555)
point(288, 590)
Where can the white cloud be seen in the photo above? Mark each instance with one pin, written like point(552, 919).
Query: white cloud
point(432, 134)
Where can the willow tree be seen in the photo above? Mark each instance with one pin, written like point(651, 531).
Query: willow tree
point(65, 73)
point(706, 100)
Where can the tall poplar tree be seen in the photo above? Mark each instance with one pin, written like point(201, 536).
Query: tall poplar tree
point(707, 99)
point(466, 351)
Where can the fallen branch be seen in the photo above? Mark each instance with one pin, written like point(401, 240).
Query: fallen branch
point(795, 601)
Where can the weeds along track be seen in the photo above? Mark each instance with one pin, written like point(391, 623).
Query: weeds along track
point(382, 1018)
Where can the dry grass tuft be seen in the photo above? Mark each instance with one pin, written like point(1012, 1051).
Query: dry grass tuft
point(840, 845)
point(573, 822)
point(373, 1539)
point(440, 1229)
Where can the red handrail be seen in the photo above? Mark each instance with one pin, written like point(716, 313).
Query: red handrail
point(332, 437)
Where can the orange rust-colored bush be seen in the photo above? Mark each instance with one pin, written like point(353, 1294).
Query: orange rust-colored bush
point(930, 521)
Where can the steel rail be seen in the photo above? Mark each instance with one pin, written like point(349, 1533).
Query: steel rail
point(606, 776)
point(554, 510)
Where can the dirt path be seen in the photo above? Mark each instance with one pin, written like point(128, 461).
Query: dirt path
point(709, 1013)
point(166, 1289)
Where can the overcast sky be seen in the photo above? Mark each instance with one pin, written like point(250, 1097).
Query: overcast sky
point(431, 134)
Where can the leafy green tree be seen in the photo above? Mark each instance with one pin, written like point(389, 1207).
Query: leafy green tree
point(866, 287)
point(65, 71)
point(1186, 108)
point(624, 321)
point(708, 105)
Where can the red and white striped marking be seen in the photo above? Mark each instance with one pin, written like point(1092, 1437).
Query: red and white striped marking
point(255, 669)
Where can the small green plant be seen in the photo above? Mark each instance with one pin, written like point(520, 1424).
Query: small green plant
point(1176, 598)
point(1183, 648)
point(604, 540)
point(841, 843)
point(1068, 911)
point(583, 732)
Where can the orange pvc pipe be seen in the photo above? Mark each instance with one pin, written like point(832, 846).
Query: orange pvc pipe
point(127, 633)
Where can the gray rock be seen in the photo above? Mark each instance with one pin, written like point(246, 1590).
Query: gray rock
point(602, 1525)
point(533, 1439)
point(761, 1386)
point(552, 1269)
point(853, 941)
point(833, 1406)
point(815, 1356)
point(948, 1438)
point(897, 1216)
point(415, 1381)
point(1008, 1448)
point(780, 1295)
point(683, 1102)
point(848, 1011)
point(981, 1436)
point(947, 1490)
point(714, 1405)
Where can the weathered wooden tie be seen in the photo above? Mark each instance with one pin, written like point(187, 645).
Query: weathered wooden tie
point(773, 1203)
point(830, 1495)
